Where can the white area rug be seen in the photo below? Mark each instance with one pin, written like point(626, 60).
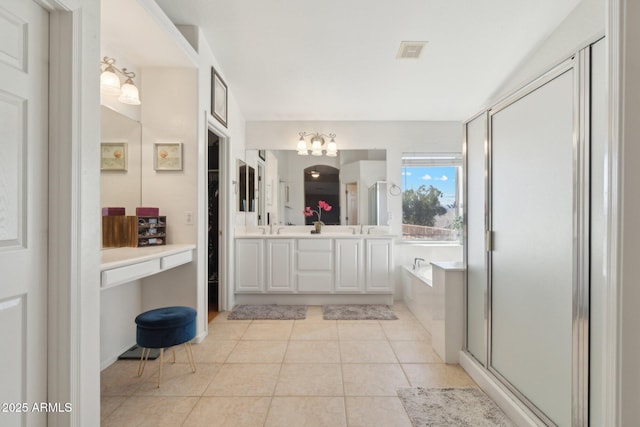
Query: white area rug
point(358, 312)
point(268, 312)
point(459, 407)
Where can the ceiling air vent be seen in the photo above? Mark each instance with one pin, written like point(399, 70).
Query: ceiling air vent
point(410, 50)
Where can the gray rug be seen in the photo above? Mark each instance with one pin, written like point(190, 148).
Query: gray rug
point(268, 312)
point(449, 407)
point(358, 312)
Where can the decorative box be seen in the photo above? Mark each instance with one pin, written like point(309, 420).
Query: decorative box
point(145, 211)
point(112, 211)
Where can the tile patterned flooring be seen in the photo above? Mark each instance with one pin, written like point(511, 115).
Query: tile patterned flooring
point(281, 373)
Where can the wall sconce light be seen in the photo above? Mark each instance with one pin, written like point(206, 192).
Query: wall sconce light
point(127, 93)
point(317, 144)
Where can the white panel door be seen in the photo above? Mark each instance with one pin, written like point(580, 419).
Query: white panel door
point(532, 197)
point(249, 265)
point(280, 258)
point(379, 265)
point(24, 30)
point(349, 265)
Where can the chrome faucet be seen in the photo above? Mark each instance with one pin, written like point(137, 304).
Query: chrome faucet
point(270, 228)
point(353, 229)
point(416, 263)
point(264, 230)
point(361, 227)
point(278, 230)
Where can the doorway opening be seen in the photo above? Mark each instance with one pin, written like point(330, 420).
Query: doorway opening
point(352, 203)
point(213, 235)
point(322, 182)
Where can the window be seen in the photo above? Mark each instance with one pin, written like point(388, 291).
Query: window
point(431, 196)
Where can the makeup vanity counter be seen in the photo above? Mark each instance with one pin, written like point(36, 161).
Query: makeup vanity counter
point(303, 268)
point(122, 265)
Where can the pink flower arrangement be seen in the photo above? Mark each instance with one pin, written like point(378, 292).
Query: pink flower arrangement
point(322, 205)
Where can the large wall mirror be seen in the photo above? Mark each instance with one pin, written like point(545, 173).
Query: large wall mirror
point(292, 182)
point(120, 175)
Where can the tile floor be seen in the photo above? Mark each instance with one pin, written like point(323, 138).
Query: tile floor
point(310, 372)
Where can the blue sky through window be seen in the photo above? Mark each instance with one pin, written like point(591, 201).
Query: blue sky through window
point(441, 177)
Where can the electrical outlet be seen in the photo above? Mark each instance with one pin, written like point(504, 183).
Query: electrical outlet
point(188, 217)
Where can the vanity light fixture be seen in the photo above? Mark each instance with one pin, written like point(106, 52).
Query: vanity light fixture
point(110, 82)
point(317, 143)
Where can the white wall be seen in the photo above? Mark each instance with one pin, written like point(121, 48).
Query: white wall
point(584, 24)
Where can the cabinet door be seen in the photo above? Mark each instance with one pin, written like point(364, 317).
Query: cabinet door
point(280, 256)
point(249, 265)
point(349, 265)
point(379, 265)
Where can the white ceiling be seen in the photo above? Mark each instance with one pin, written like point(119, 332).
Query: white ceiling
point(336, 59)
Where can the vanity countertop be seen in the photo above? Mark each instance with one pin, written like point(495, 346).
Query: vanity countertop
point(329, 235)
point(449, 265)
point(120, 257)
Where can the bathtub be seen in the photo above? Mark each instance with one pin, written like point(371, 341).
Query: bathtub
point(418, 293)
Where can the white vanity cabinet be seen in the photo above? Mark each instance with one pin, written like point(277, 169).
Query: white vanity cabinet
point(379, 265)
point(318, 269)
point(249, 265)
point(280, 265)
point(349, 271)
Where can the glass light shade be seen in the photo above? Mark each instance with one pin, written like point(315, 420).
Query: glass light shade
point(332, 149)
point(109, 83)
point(316, 144)
point(129, 94)
point(316, 152)
point(302, 146)
point(315, 174)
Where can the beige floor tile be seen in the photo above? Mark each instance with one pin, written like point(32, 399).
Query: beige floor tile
point(403, 316)
point(360, 332)
point(372, 379)
point(312, 352)
point(121, 378)
point(258, 352)
point(359, 322)
point(315, 331)
point(310, 379)
point(150, 411)
point(179, 380)
point(306, 411)
point(415, 352)
point(108, 404)
point(314, 314)
point(376, 412)
point(405, 331)
point(223, 317)
point(244, 379)
point(213, 351)
point(268, 331)
point(437, 375)
point(227, 330)
point(229, 411)
point(399, 306)
point(367, 352)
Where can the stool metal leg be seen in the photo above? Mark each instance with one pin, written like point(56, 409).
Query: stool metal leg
point(143, 360)
point(161, 362)
point(189, 350)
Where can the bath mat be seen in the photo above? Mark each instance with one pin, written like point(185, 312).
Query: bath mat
point(460, 407)
point(268, 312)
point(135, 352)
point(358, 312)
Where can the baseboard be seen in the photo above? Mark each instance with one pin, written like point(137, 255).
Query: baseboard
point(517, 412)
point(111, 360)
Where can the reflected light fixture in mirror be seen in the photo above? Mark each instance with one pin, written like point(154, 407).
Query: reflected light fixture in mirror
point(317, 144)
point(314, 174)
point(110, 82)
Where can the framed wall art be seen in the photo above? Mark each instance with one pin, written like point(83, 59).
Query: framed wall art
point(167, 156)
point(218, 97)
point(113, 156)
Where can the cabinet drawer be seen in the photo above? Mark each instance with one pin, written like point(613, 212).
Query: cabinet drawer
point(315, 282)
point(315, 245)
point(314, 261)
point(129, 273)
point(175, 260)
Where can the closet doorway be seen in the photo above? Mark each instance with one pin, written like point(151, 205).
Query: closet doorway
point(213, 222)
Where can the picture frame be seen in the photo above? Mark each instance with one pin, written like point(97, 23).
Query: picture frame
point(219, 98)
point(167, 156)
point(113, 156)
point(262, 154)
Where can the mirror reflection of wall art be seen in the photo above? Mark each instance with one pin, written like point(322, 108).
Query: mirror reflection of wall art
point(218, 98)
point(113, 156)
point(167, 156)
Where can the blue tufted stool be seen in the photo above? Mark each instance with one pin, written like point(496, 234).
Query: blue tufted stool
point(163, 328)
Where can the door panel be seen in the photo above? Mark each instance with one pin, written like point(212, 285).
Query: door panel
point(532, 277)
point(23, 207)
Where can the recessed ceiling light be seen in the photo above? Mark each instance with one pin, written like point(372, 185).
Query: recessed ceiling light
point(410, 50)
